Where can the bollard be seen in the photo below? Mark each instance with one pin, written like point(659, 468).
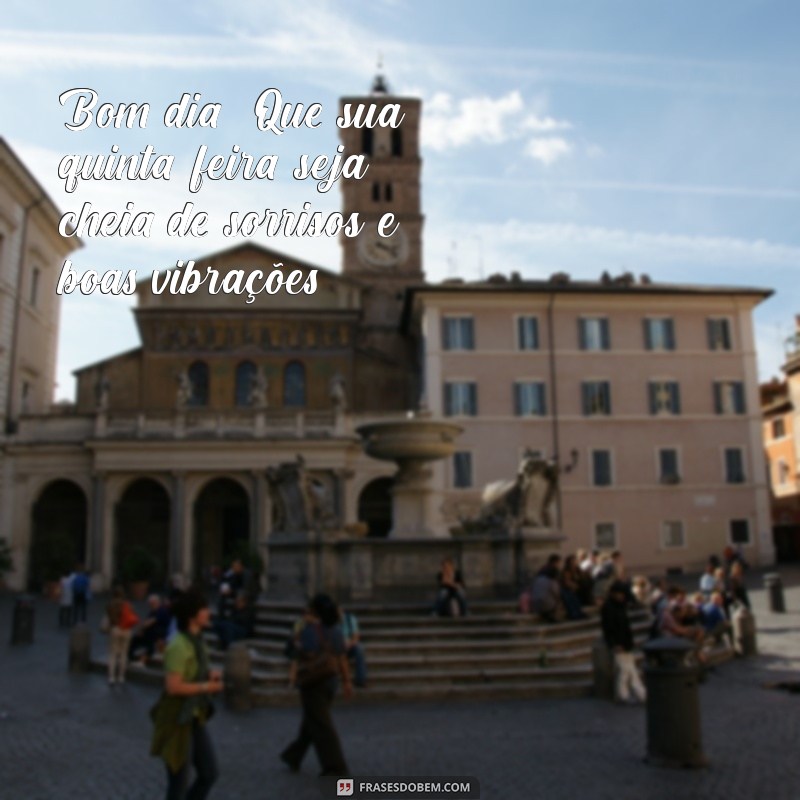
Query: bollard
point(674, 737)
point(22, 622)
point(80, 648)
point(774, 587)
point(603, 668)
point(238, 678)
point(744, 632)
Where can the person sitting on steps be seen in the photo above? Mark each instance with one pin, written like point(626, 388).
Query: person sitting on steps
point(451, 599)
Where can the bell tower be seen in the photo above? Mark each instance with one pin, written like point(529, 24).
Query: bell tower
point(391, 185)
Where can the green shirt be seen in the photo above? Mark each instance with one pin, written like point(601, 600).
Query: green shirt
point(180, 658)
point(173, 716)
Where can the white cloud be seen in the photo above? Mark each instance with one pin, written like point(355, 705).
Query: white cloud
point(474, 120)
point(548, 150)
point(644, 247)
point(538, 124)
point(450, 123)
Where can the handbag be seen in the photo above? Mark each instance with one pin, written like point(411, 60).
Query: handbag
point(319, 665)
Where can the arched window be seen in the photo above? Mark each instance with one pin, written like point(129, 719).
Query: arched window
point(294, 384)
point(397, 142)
point(198, 380)
point(245, 377)
point(366, 141)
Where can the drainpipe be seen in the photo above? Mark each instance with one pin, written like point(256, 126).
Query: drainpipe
point(554, 400)
point(11, 422)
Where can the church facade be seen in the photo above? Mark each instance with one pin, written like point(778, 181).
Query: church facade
point(169, 448)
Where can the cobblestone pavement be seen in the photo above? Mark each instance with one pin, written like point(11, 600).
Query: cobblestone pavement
point(71, 736)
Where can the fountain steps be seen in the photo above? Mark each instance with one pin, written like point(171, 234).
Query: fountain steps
point(498, 654)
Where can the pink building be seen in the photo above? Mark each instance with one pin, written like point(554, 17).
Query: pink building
point(648, 392)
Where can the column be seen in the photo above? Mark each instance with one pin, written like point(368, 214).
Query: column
point(176, 525)
point(258, 533)
point(97, 536)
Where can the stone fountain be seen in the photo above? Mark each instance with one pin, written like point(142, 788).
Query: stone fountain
point(412, 443)
point(497, 551)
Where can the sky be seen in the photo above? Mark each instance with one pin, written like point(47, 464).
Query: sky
point(574, 136)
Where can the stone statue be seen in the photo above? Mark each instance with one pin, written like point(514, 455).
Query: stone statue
point(183, 395)
point(529, 500)
point(259, 390)
point(336, 392)
point(300, 502)
point(102, 389)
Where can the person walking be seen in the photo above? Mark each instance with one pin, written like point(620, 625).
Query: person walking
point(619, 639)
point(122, 619)
point(182, 712)
point(81, 594)
point(321, 658)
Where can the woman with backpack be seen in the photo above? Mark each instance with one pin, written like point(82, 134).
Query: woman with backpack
point(122, 619)
point(321, 659)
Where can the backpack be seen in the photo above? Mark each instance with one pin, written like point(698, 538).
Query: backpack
point(319, 665)
point(80, 584)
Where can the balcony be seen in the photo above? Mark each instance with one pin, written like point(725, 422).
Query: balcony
point(65, 426)
point(792, 349)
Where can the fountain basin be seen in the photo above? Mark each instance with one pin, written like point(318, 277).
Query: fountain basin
point(409, 439)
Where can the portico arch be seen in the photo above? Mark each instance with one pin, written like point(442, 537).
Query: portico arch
point(141, 521)
point(221, 524)
point(375, 507)
point(58, 532)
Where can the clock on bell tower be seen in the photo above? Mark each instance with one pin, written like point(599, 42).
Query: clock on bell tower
point(391, 185)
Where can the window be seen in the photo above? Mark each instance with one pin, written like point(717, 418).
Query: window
point(783, 473)
point(664, 397)
point(659, 334)
point(25, 399)
point(596, 397)
point(593, 333)
point(668, 468)
point(366, 141)
point(388, 192)
point(245, 378)
point(719, 333)
point(376, 192)
point(397, 142)
point(294, 385)
point(462, 470)
point(33, 298)
point(672, 534)
point(460, 399)
point(729, 397)
point(458, 333)
point(605, 536)
point(601, 468)
point(734, 465)
point(530, 399)
point(778, 428)
point(527, 333)
point(198, 380)
point(740, 531)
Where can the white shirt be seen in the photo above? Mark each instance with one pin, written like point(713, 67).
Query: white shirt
point(66, 590)
point(707, 583)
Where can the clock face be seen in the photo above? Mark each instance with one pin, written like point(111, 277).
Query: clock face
point(379, 251)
